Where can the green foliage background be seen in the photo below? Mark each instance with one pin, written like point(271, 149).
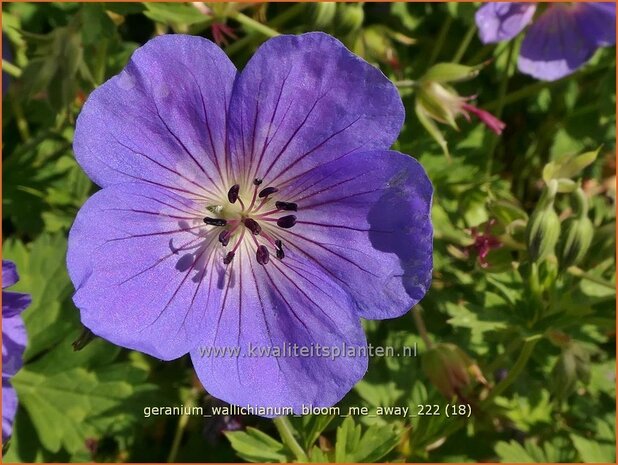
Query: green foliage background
point(553, 338)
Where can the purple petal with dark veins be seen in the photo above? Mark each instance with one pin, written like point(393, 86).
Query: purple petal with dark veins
point(13, 344)
point(554, 47)
point(498, 21)
point(283, 303)
point(145, 267)
point(6, 55)
point(9, 274)
point(306, 100)
point(364, 220)
point(597, 22)
point(13, 303)
point(162, 119)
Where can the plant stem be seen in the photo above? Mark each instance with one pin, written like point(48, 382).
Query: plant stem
point(277, 21)
point(11, 69)
point(253, 25)
point(101, 58)
point(440, 40)
point(496, 362)
point(520, 363)
point(182, 424)
point(20, 117)
point(406, 83)
point(522, 93)
point(287, 436)
point(464, 44)
point(420, 325)
point(578, 272)
point(533, 89)
point(501, 102)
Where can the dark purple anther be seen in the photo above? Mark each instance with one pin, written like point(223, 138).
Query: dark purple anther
point(228, 258)
point(280, 253)
point(286, 222)
point(267, 191)
point(215, 221)
point(232, 194)
point(224, 237)
point(262, 255)
point(257, 181)
point(253, 226)
point(288, 206)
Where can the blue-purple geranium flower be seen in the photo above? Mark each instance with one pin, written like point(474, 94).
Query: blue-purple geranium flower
point(6, 55)
point(13, 343)
point(258, 209)
point(561, 40)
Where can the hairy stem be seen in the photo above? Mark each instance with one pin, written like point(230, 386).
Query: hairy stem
point(276, 22)
point(182, 425)
point(420, 325)
point(501, 102)
point(253, 25)
point(513, 374)
point(578, 272)
point(435, 53)
point(287, 436)
point(11, 69)
point(464, 44)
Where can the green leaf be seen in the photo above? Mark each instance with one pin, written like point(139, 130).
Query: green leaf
point(432, 129)
point(601, 449)
point(559, 449)
point(312, 427)
point(72, 396)
point(176, 15)
point(255, 446)
point(450, 72)
point(353, 446)
point(96, 24)
point(316, 455)
point(42, 270)
point(569, 167)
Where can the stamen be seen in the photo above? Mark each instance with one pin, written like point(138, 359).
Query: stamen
point(224, 237)
point(257, 182)
point(279, 246)
point(286, 222)
point(288, 206)
point(215, 221)
point(253, 226)
point(267, 191)
point(262, 255)
point(232, 194)
point(228, 258)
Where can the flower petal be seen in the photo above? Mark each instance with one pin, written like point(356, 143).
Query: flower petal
point(14, 340)
point(554, 47)
point(597, 22)
point(144, 267)
point(9, 274)
point(279, 305)
point(6, 55)
point(163, 119)
point(9, 408)
point(13, 303)
point(365, 221)
point(305, 100)
point(502, 21)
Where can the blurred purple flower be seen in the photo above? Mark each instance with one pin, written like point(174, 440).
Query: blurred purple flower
point(13, 343)
point(246, 210)
point(561, 40)
point(6, 55)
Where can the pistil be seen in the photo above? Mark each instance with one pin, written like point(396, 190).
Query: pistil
point(250, 218)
